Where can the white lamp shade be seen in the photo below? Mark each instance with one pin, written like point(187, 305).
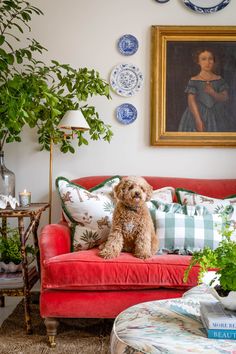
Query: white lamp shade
point(74, 120)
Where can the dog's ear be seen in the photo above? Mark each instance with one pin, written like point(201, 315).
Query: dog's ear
point(149, 191)
point(117, 189)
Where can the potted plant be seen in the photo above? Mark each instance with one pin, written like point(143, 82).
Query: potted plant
point(223, 260)
point(10, 251)
point(38, 95)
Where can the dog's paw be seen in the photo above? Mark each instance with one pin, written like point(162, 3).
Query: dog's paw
point(107, 254)
point(143, 255)
point(154, 250)
point(154, 246)
point(100, 247)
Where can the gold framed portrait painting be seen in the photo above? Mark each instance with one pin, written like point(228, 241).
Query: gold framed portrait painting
point(193, 86)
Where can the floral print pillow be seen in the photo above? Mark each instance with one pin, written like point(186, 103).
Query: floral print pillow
point(88, 212)
point(213, 205)
point(164, 195)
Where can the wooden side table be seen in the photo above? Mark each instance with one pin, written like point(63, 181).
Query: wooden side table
point(33, 212)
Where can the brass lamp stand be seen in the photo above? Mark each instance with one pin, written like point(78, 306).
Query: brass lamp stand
point(72, 120)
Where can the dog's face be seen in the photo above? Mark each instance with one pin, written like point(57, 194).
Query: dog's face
point(133, 191)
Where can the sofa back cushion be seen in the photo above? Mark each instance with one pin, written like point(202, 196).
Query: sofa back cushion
point(213, 205)
point(183, 230)
point(216, 188)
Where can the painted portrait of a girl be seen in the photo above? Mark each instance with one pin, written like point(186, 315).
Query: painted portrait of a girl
point(207, 97)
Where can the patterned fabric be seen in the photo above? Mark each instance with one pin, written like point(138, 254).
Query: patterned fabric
point(164, 194)
point(185, 229)
point(213, 205)
point(201, 292)
point(166, 326)
point(88, 212)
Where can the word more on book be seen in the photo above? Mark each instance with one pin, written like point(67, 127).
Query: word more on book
point(218, 322)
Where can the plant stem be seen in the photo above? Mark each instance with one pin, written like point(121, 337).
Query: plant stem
point(10, 21)
point(3, 141)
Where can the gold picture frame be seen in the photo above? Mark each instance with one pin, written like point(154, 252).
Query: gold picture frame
point(172, 66)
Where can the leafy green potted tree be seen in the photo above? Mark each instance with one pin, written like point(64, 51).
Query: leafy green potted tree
point(10, 251)
point(223, 259)
point(38, 95)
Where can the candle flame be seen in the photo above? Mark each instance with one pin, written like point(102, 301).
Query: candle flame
point(24, 190)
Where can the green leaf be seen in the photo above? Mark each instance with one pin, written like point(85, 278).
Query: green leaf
point(10, 59)
point(26, 16)
point(71, 149)
point(19, 58)
point(3, 53)
point(2, 39)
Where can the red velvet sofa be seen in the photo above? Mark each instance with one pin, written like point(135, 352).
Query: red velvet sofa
point(83, 285)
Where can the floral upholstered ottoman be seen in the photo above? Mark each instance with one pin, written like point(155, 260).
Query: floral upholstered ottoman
point(165, 326)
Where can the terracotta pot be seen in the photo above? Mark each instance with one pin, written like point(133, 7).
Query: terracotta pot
point(229, 301)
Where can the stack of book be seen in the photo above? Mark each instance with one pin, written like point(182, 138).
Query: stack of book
point(15, 280)
point(218, 322)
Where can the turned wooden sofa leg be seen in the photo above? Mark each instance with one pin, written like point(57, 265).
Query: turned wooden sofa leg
point(51, 326)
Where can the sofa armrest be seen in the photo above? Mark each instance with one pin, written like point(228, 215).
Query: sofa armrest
point(54, 240)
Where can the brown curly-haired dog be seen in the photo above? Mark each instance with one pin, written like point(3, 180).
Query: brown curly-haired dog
point(132, 227)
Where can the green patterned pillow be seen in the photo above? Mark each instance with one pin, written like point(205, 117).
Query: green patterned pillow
point(88, 212)
point(185, 229)
point(213, 205)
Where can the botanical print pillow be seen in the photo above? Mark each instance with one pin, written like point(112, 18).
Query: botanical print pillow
point(185, 229)
point(213, 205)
point(164, 194)
point(161, 195)
point(89, 212)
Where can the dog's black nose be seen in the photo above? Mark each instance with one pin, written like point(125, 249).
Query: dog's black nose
point(137, 194)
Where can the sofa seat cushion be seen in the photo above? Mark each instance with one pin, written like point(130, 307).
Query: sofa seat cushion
point(85, 270)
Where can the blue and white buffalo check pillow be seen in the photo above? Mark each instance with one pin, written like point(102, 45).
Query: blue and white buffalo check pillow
point(184, 229)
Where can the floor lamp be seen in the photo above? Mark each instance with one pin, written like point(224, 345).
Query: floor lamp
point(72, 120)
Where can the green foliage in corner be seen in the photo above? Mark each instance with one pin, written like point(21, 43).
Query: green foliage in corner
point(37, 95)
point(223, 258)
point(10, 247)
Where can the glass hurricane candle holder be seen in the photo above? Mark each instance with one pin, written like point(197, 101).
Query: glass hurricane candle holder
point(25, 198)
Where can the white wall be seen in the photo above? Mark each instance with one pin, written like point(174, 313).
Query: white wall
point(85, 33)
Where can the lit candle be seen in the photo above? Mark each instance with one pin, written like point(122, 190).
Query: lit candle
point(25, 198)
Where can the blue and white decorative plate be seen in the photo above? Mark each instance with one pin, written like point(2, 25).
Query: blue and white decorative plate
point(126, 113)
point(206, 6)
point(162, 1)
point(126, 79)
point(127, 44)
